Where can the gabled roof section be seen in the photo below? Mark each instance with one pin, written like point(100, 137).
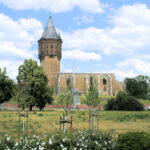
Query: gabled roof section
point(50, 31)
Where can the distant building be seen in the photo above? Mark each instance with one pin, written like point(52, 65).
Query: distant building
point(50, 53)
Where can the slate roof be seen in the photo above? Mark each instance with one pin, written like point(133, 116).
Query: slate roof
point(50, 31)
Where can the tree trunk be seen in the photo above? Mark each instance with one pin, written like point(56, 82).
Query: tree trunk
point(30, 107)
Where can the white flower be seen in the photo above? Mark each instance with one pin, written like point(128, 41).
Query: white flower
point(41, 148)
point(16, 144)
point(43, 143)
point(75, 148)
point(64, 148)
point(63, 140)
point(80, 148)
point(8, 138)
point(61, 145)
point(50, 141)
point(96, 142)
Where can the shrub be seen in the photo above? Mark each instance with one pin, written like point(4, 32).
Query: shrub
point(124, 102)
point(133, 141)
point(78, 140)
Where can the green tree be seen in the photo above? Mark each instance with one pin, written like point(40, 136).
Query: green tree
point(137, 86)
point(66, 98)
point(6, 87)
point(92, 97)
point(32, 81)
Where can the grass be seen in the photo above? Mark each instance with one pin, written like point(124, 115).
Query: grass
point(45, 122)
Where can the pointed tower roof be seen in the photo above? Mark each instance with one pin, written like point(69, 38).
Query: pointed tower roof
point(50, 31)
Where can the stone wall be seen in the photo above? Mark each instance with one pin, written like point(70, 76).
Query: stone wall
point(106, 83)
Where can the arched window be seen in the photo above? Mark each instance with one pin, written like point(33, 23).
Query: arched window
point(104, 84)
point(51, 46)
point(91, 83)
point(68, 82)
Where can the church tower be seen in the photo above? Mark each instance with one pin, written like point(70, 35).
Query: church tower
point(50, 52)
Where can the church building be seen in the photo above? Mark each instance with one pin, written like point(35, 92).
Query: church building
point(50, 54)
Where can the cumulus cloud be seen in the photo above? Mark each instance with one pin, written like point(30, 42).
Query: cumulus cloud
point(92, 6)
point(11, 67)
point(139, 64)
point(17, 37)
point(16, 41)
point(130, 33)
point(84, 19)
point(80, 55)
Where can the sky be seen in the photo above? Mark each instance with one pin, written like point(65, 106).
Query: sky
point(99, 36)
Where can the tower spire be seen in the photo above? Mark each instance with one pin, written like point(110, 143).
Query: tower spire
point(50, 31)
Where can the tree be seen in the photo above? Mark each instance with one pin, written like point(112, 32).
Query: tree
point(124, 101)
point(66, 98)
point(32, 81)
point(137, 86)
point(6, 87)
point(92, 97)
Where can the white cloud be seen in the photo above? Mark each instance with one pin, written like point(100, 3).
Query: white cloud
point(84, 19)
point(68, 71)
point(11, 67)
point(92, 6)
point(120, 74)
point(80, 55)
point(130, 33)
point(140, 65)
point(17, 37)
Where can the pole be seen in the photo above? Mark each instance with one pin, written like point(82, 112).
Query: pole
point(97, 120)
point(90, 122)
point(71, 124)
point(23, 121)
point(27, 122)
point(64, 123)
point(93, 122)
point(60, 125)
point(19, 123)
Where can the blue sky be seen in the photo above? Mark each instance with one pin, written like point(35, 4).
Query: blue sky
point(104, 36)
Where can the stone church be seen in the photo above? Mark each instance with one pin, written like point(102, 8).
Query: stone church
point(50, 54)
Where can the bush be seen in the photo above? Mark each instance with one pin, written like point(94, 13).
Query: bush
point(124, 102)
point(133, 141)
point(78, 140)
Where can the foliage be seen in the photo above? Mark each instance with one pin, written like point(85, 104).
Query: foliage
point(6, 87)
point(79, 140)
point(137, 86)
point(32, 86)
point(133, 140)
point(92, 97)
point(124, 102)
point(66, 98)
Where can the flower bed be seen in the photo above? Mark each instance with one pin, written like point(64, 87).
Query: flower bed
point(76, 141)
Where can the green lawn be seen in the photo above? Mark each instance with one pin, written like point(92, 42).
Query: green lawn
point(45, 122)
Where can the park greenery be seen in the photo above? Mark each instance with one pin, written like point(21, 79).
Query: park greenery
point(138, 86)
point(6, 87)
point(124, 101)
point(45, 124)
point(92, 97)
point(66, 99)
point(32, 89)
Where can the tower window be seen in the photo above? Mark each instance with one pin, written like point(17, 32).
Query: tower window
point(51, 46)
point(104, 84)
point(47, 47)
